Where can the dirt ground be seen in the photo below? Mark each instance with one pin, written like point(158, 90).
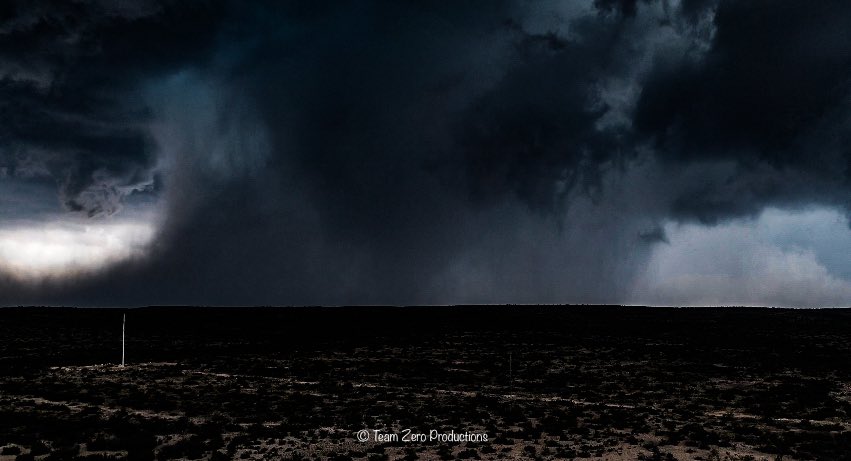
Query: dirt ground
point(543, 383)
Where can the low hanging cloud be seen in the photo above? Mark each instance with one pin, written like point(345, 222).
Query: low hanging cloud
point(779, 258)
point(391, 153)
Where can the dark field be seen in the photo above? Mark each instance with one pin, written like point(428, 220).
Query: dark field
point(541, 382)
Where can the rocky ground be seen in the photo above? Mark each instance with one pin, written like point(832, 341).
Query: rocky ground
point(539, 382)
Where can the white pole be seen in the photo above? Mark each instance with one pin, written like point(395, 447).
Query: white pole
point(123, 321)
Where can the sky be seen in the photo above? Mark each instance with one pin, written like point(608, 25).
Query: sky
point(216, 152)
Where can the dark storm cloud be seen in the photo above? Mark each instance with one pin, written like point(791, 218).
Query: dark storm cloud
point(626, 8)
point(67, 95)
point(771, 95)
point(387, 152)
point(534, 133)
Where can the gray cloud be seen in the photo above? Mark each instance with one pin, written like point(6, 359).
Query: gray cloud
point(770, 96)
point(388, 153)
